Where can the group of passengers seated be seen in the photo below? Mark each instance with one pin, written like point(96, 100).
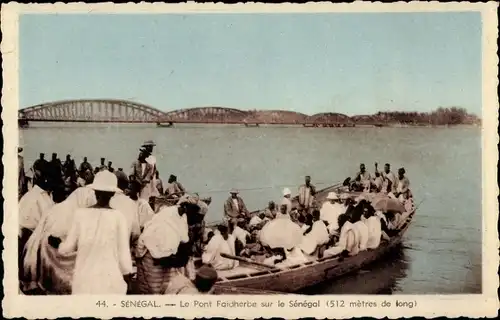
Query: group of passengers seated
point(385, 182)
point(342, 226)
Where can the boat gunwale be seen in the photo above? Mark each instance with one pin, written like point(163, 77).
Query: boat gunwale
point(314, 263)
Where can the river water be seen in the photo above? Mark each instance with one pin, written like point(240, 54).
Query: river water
point(442, 248)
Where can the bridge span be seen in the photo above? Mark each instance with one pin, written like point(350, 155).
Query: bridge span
point(123, 111)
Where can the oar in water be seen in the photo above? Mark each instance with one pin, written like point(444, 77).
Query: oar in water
point(228, 256)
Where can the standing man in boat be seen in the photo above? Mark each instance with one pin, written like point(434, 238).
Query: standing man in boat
point(307, 192)
point(143, 173)
point(234, 207)
point(389, 184)
point(149, 191)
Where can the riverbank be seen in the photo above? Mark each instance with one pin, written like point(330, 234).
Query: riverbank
point(34, 125)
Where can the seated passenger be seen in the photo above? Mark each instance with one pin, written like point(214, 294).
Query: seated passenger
point(287, 194)
point(240, 233)
point(316, 236)
point(383, 225)
point(174, 188)
point(283, 212)
point(331, 210)
point(348, 240)
point(253, 246)
point(377, 182)
point(362, 231)
point(362, 179)
point(301, 221)
point(271, 210)
point(257, 220)
point(402, 186)
point(349, 206)
point(374, 226)
point(235, 208)
point(389, 221)
point(219, 244)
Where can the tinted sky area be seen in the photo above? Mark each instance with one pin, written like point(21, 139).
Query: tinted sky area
point(352, 63)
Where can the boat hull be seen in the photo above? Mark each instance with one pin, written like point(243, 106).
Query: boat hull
point(295, 279)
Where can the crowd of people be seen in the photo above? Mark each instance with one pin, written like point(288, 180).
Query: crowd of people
point(63, 178)
point(287, 234)
point(98, 230)
point(101, 231)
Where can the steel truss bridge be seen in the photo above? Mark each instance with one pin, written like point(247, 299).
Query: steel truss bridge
point(123, 111)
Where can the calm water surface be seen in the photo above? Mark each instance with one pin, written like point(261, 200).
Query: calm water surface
point(442, 248)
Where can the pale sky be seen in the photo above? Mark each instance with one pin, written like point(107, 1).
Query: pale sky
point(352, 63)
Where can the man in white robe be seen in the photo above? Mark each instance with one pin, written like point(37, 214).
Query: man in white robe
point(33, 205)
point(330, 212)
point(293, 257)
point(217, 245)
point(348, 240)
point(240, 234)
point(101, 271)
point(363, 234)
point(374, 231)
point(316, 237)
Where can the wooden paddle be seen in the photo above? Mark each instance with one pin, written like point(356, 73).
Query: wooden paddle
point(249, 261)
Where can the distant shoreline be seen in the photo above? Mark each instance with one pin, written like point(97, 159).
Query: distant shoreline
point(41, 125)
point(122, 111)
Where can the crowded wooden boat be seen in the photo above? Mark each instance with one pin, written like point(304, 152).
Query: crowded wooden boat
point(148, 239)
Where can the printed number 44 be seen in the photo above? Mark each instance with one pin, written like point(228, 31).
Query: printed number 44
point(101, 303)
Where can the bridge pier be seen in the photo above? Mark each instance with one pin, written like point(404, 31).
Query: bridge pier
point(167, 125)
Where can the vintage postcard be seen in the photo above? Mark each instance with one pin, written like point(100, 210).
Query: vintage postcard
point(250, 160)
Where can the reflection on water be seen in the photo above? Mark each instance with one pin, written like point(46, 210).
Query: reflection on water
point(380, 277)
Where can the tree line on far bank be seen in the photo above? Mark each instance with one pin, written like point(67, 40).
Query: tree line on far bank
point(440, 116)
